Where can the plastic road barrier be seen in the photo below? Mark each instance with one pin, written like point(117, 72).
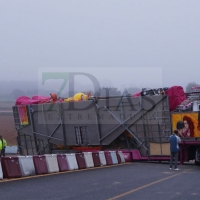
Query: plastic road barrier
point(10, 167)
point(80, 160)
point(127, 156)
point(1, 172)
point(62, 162)
point(114, 157)
point(26, 165)
point(40, 165)
point(52, 163)
point(121, 156)
point(96, 159)
point(108, 158)
point(88, 159)
point(102, 158)
point(71, 161)
point(118, 157)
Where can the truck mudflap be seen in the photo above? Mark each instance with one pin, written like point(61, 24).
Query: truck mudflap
point(197, 157)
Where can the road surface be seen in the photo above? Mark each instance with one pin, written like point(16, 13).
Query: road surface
point(134, 181)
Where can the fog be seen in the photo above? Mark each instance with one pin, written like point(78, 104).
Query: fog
point(123, 44)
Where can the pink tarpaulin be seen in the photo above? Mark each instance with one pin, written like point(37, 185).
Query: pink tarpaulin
point(176, 96)
point(42, 99)
point(24, 100)
point(136, 94)
point(21, 99)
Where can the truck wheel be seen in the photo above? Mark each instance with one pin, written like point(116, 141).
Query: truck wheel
point(197, 162)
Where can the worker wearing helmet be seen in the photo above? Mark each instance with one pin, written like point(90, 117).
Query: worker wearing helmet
point(3, 145)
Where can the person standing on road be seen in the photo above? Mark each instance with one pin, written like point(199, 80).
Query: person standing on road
point(174, 148)
point(3, 145)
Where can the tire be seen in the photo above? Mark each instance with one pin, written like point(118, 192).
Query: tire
point(197, 163)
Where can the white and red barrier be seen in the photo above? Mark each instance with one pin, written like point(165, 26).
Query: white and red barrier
point(1, 172)
point(20, 166)
point(71, 161)
point(88, 159)
point(26, 165)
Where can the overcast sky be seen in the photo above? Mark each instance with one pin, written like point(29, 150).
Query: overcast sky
point(123, 43)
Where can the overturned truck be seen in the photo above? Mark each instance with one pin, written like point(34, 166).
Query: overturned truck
point(142, 123)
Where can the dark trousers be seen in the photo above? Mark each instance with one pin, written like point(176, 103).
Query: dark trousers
point(174, 156)
point(2, 152)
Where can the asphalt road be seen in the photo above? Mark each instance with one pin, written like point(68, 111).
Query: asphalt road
point(134, 181)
